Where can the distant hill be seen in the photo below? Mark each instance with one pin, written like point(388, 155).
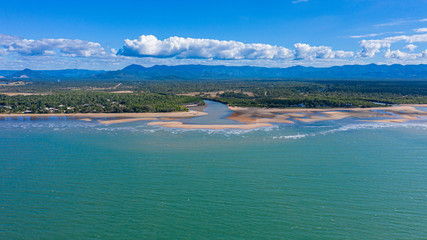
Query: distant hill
point(49, 74)
point(137, 72)
point(371, 71)
point(73, 73)
point(6, 73)
point(28, 73)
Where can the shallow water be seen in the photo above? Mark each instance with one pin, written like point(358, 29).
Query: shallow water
point(217, 114)
point(326, 180)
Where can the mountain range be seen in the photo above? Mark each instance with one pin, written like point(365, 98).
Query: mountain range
point(137, 72)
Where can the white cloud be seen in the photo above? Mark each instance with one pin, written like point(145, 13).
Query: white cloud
point(420, 30)
point(400, 22)
point(68, 47)
point(299, 1)
point(404, 55)
point(3, 52)
point(305, 51)
point(371, 47)
point(187, 48)
point(410, 47)
point(18, 53)
point(178, 47)
point(366, 35)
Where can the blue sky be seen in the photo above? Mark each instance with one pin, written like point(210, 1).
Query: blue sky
point(112, 34)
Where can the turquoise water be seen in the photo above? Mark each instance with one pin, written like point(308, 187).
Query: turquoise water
point(217, 114)
point(69, 179)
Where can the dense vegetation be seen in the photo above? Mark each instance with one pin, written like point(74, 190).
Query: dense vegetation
point(165, 95)
point(95, 102)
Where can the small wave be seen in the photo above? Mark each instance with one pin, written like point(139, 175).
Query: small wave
point(215, 131)
point(273, 132)
point(297, 136)
point(350, 127)
point(355, 127)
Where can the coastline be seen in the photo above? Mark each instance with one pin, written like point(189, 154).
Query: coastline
point(106, 115)
point(250, 118)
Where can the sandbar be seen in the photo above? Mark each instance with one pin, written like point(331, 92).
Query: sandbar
point(106, 115)
point(198, 126)
point(398, 120)
point(253, 117)
point(125, 120)
point(278, 115)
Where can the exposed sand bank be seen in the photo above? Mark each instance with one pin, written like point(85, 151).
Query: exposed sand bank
point(252, 117)
point(399, 120)
point(194, 126)
point(86, 119)
point(115, 115)
point(125, 120)
point(401, 113)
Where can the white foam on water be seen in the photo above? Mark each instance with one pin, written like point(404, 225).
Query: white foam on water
point(355, 127)
point(297, 136)
point(274, 131)
point(232, 131)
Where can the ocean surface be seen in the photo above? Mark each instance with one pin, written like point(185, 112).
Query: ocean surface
point(346, 179)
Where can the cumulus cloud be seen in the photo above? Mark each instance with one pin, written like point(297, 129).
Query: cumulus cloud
point(405, 55)
point(371, 47)
point(305, 51)
point(68, 47)
point(178, 47)
point(410, 47)
point(187, 48)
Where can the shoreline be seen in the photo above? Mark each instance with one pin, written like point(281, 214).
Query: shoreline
point(106, 115)
point(250, 118)
point(197, 113)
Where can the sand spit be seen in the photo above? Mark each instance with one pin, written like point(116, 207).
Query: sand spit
point(401, 113)
point(125, 120)
point(253, 117)
point(117, 117)
point(85, 119)
point(194, 126)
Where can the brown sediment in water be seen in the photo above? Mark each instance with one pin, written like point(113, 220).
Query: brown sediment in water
point(125, 120)
point(85, 119)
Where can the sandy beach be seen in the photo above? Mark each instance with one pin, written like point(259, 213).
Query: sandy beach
point(252, 117)
point(115, 115)
point(113, 118)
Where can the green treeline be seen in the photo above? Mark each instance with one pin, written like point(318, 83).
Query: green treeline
point(96, 102)
point(164, 95)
